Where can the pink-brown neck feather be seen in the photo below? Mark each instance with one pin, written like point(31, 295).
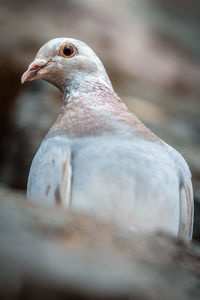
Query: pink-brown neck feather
point(95, 111)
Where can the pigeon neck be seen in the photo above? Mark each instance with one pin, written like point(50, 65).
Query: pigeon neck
point(96, 109)
point(88, 86)
point(90, 110)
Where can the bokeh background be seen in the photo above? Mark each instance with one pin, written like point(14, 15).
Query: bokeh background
point(150, 48)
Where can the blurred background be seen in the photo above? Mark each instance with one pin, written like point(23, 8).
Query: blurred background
point(150, 48)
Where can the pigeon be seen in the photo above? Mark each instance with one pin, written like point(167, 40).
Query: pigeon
point(98, 158)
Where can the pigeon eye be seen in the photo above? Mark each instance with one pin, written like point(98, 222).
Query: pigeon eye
point(67, 50)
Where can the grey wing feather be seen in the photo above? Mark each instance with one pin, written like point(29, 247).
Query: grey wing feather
point(50, 174)
point(186, 202)
point(186, 199)
point(186, 211)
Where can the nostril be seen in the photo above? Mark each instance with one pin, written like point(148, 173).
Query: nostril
point(35, 67)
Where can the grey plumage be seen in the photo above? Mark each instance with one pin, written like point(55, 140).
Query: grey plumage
point(98, 158)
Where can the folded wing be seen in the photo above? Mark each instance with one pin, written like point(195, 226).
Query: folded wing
point(186, 211)
point(50, 174)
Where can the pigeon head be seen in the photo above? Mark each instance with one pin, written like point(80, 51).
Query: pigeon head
point(66, 62)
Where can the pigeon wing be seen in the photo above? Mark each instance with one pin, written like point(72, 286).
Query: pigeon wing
point(186, 210)
point(186, 201)
point(50, 174)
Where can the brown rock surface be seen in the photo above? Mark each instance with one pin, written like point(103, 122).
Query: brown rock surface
point(49, 253)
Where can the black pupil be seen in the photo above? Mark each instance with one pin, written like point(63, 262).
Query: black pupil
point(68, 50)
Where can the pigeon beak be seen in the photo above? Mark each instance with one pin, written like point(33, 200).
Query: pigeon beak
point(33, 71)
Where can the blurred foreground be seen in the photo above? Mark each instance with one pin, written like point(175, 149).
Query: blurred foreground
point(46, 253)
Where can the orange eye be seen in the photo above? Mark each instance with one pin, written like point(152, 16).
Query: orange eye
point(67, 50)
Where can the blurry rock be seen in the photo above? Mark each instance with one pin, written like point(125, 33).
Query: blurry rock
point(49, 253)
point(180, 23)
point(196, 233)
point(31, 116)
